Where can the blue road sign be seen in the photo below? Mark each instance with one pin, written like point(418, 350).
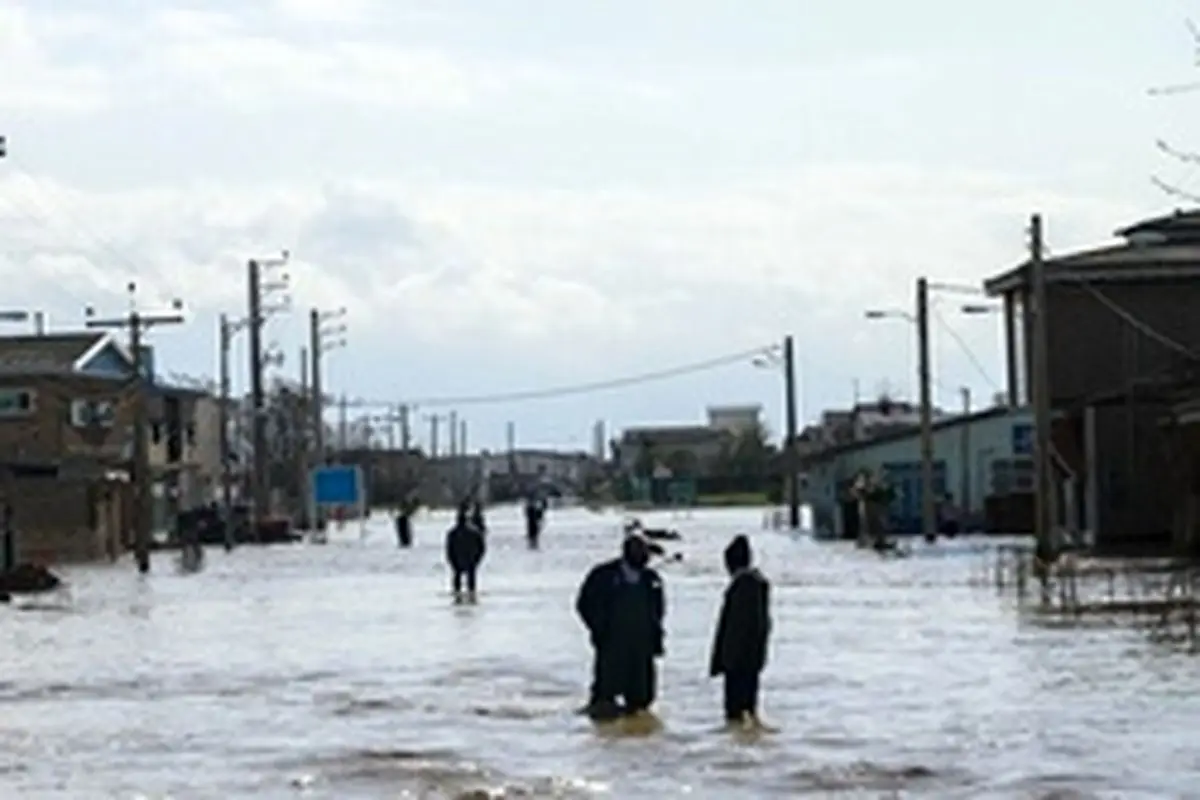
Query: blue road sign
point(338, 485)
point(1022, 439)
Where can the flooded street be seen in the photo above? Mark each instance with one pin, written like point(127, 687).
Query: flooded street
point(344, 671)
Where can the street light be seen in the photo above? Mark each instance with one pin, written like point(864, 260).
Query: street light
point(782, 357)
point(979, 308)
point(889, 313)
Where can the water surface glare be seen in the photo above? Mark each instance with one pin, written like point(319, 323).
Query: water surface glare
point(344, 671)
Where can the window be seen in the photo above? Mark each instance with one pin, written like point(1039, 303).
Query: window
point(1011, 476)
point(16, 403)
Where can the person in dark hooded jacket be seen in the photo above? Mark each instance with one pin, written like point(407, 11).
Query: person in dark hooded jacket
point(622, 605)
point(740, 647)
point(465, 549)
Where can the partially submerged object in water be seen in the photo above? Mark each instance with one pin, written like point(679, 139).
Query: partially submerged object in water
point(28, 579)
point(659, 534)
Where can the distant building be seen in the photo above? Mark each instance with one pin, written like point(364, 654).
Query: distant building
point(862, 423)
point(691, 449)
point(735, 419)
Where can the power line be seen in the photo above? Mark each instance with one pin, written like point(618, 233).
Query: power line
point(970, 354)
point(1139, 325)
point(548, 393)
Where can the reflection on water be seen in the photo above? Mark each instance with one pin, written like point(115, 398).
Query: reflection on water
point(344, 671)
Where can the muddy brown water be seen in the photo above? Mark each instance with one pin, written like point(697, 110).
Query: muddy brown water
point(344, 671)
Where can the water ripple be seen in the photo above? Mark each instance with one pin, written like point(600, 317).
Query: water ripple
point(344, 671)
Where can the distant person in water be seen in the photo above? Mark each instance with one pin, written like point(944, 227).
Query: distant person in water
point(465, 549)
point(404, 514)
point(622, 605)
point(535, 513)
point(740, 647)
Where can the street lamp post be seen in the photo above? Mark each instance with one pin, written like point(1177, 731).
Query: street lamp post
point(783, 356)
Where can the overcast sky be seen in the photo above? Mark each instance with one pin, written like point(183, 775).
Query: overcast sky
point(513, 194)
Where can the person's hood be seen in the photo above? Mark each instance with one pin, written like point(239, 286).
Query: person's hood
point(737, 555)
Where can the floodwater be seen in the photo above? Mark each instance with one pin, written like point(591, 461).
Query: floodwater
point(344, 671)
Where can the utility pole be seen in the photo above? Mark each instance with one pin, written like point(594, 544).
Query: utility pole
point(343, 426)
point(137, 324)
point(928, 498)
point(225, 332)
point(434, 421)
point(258, 422)
point(321, 341)
point(510, 434)
point(1040, 386)
point(405, 431)
point(257, 317)
point(301, 416)
point(789, 391)
point(964, 489)
point(318, 406)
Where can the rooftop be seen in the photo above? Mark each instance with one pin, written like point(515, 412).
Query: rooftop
point(946, 423)
point(53, 352)
point(1158, 249)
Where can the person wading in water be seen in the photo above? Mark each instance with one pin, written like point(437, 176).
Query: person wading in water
point(465, 549)
point(622, 605)
point(739, 650)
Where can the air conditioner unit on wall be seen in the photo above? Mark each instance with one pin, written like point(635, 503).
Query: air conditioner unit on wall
point(81, 413)
point(88, 413)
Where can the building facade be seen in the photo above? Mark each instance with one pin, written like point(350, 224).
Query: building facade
point(977, 457)
point(1122, 334)
point(66, 442)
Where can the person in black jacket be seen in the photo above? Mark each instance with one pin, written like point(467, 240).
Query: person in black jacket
point(740, 648)
point(622, 605)
point(465, 549)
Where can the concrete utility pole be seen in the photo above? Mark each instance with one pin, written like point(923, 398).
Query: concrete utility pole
point(928, 498)
point(434, 422)
point(322, 339)
point(1040, 386)
point(343, 425)
point(137, 324)
point(257, 317)
point(964, 489)
point(510, 435)
point(405, 430)
point(789, 392)
point(226, 330)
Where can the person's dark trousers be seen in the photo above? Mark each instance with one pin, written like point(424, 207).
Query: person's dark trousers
point(461, 576)
point(602, 699)
point(641, 686)
point(741, 695)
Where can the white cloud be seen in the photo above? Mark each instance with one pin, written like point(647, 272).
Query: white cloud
point(33, 80)
point(603, 271)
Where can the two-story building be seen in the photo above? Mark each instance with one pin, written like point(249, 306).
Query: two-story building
point(66, 442)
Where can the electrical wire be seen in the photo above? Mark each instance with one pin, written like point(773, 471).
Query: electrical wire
point(1145, 328)
point(591, 387)
point(966, 349)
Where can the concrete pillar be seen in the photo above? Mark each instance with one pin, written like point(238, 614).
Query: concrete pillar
point(1010, 350)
